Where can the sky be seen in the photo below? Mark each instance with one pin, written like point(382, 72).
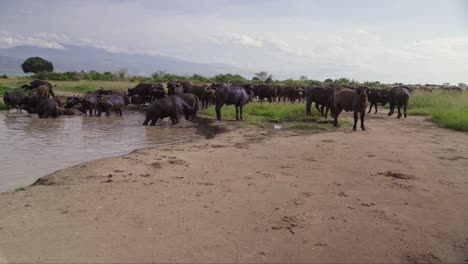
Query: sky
point(418, 41)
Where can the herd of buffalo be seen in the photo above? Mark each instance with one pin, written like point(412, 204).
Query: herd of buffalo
point(185, 97)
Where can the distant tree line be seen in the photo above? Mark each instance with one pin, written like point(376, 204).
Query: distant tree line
point(44, 70)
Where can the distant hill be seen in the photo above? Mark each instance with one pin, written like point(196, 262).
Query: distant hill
point(77, 58)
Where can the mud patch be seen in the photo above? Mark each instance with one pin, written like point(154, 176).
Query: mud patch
point(207, 128)
point(453, 158)
point(421, 258)
point(44, 181)
point(397, 175)
point(289, 223)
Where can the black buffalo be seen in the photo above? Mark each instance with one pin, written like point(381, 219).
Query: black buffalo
point(398, 96)
point(237, 95)
point(43, 107)
point(377, 96)
point(174, 88)
point(265, 91)
point(89, 103)
point(13, 99)
point(113, 102)
point(170, 106)
point(193, 101)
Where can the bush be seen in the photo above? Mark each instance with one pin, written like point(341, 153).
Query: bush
point(4, 76)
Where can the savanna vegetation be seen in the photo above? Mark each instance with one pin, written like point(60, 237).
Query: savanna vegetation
point(446, 109)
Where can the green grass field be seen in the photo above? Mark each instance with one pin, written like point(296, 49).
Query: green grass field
point(445, 109)
point(258, 114)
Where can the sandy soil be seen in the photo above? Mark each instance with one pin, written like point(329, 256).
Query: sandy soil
point(395, 193)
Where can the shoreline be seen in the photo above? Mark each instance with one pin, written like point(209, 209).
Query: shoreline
point(254, 195)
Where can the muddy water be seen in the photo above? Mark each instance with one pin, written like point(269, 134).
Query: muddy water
point(31, 147)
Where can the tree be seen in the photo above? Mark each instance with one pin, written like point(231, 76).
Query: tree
point(269, 79)
point(328, 80)
point(262, 76)
point(303, 78)
point(121, 74)
point(158, 74)
point(36, 65)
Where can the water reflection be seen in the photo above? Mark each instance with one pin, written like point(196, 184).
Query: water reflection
point(32, 147)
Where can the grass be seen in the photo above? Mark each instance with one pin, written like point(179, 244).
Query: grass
point(258, 114)
point(82, 86)
point(445, 109)
point(2, 105)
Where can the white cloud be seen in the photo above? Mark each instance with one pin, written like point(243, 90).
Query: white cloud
point(8, 40)
point(238, 39)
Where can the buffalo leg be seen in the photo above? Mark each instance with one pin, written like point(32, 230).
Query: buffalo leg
point(308, 105)
point(153, 122)
point(363, 114)
point(392, 108)
point(327, 108)
point(404, 109)
point(147, 119)
point(399, 111)
point(370, 108)
point(337, 113)
point(218, 111)
point(355, 120)
point(241, 111)
point(237, 112)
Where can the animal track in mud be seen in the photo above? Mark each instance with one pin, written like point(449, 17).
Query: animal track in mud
point(452, 158)
point(397, 175)
point(400, 185)
point(421, 258)
point(288, 223)
point(382, 215)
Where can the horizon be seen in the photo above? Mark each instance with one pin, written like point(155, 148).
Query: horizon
point(415, 42)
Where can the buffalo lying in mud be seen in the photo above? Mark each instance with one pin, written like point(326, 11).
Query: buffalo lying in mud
point(43, 107)
point(170, 106)
point(350, 100)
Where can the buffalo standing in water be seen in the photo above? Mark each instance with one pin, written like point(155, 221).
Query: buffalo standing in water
point(237, 95)
point(113, 102)
point(13, 99)
point(170, 106)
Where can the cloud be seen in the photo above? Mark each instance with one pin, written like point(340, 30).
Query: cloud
point(238, 40)
point(261, 42)
point(8, 40)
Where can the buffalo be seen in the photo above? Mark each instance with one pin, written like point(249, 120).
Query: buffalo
point(398, 96)
point(42, 106)
point(113, 102)
point(13, 99)
point(89, 103)
point(377, 96)
point(193, 101)
point(47, 88)
point(236, 95)
point(174, 88)
point(265, 91)
point(170, 106)
point(350, 100)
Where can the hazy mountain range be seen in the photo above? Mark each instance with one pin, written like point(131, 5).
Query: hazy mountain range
point(77, 58)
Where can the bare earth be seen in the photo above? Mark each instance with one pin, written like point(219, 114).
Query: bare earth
point(395, 193)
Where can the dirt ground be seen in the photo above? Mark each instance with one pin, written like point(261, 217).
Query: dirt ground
point(395, 193)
